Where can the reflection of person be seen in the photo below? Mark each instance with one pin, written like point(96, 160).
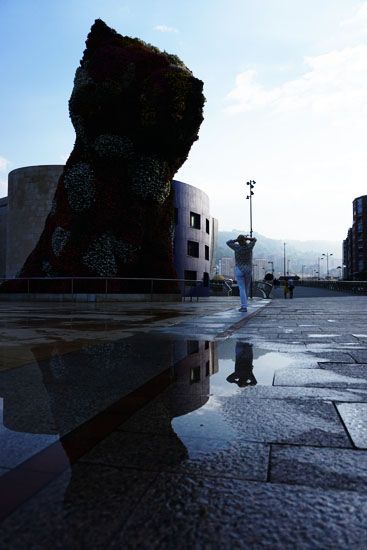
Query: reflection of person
point(242, 247)
point(243, 375)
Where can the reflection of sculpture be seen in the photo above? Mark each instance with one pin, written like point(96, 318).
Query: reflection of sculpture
point(136, 112)
point(243, 375)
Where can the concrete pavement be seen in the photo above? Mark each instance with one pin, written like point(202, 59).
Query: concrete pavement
point(194, 427)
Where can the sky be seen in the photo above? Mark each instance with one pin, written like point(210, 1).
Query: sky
point(286, 89)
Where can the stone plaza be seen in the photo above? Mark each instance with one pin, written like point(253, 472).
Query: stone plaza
point(185, 425)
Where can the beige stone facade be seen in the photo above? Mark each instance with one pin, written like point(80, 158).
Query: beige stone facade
point(30, 193)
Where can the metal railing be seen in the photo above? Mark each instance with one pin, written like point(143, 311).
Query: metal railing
point(351, 287)
point(104, 285)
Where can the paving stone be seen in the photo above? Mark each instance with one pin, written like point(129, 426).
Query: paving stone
point(193, 455)
point(80, 509)
point(306, 422)
point(339, 375)
point(294, 392)
point(342, 469)
point(330, 356)
point(354, 416)
point(208, 513)
point(359, 355)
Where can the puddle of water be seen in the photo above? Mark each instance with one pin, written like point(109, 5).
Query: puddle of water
point(196, 374)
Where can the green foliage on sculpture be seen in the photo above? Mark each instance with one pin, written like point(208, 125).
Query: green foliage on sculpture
point(150, 179)
point(79, 185)
point(136, 113)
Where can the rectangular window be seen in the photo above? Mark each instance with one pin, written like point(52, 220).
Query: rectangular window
point(194, 375)
point(193, 249)
point(207, 226)
point(192, 346)
point(206, 252)
point(195, 220)
point(207, 368)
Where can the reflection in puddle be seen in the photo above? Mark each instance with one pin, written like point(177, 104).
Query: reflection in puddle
point(52, 396)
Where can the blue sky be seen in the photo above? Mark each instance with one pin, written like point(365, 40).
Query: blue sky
point(286, 89)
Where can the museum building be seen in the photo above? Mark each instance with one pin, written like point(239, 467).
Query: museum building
point(30, 193)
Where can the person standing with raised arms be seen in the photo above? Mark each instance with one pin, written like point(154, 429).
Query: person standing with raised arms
point(242, 247)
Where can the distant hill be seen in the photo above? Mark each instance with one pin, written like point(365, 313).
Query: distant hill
point(299, 252)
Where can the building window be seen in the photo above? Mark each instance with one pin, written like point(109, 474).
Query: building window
point(207, 368)
point(192, 346)
point(207, 226)
point(194, 375)
point(206, 345)
point(190, 276)
point(206, 252)
point(195, 220)
point(206, 279)
point(193, 249)
point(175, 216)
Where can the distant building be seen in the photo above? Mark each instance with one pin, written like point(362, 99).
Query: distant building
point(3, 218)
point(348, 256)
point(260, 268)
point(227, 266)
point(30, 193)
point(359, 238)
point(195, 234)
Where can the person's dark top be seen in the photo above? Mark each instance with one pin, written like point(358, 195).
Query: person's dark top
point(242, 253)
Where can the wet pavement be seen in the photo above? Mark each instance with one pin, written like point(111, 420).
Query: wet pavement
point(184, 425)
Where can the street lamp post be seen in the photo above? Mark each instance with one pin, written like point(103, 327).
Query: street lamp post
point(318, 267)
point(251, 185)
point(284, 259)
point(327, 255)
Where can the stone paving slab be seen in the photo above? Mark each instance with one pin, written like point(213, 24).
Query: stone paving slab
point(82, 508)
point(306, 422)
point(354, 416)
point(212, 513)
point(294, 392)
point(341, 375)
point(341, 469)
point(190, 455)
point(359, 355)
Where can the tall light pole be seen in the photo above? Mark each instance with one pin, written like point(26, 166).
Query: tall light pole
point(327, 255)
point(318, 267)
point(251, 185)
point(284, 259)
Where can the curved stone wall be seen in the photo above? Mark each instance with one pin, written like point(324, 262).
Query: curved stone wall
point(187, 200)
point(30, 193)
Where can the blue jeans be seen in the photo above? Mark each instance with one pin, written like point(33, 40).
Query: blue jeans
point(243, 281)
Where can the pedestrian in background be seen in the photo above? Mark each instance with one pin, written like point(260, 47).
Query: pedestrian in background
point(286, 289)
point(290, 287)
point(242, 247)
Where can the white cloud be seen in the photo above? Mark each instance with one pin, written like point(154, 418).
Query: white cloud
point(358, 22)
point(4, 164)
point(164, 28)
point(335, 84)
